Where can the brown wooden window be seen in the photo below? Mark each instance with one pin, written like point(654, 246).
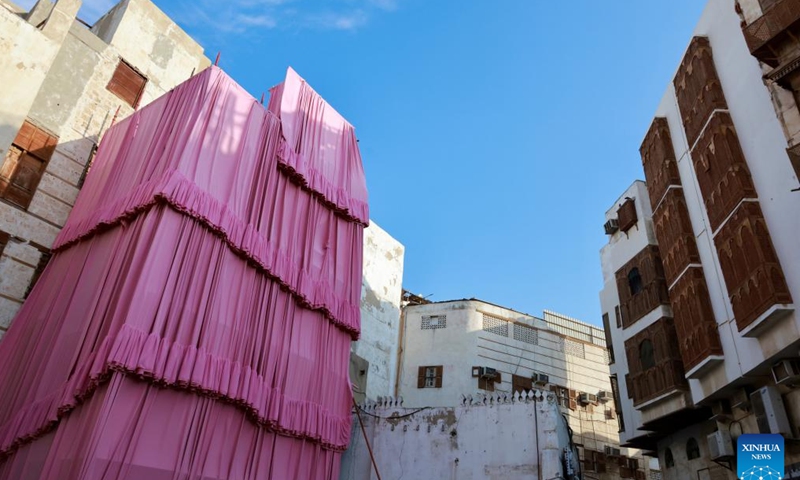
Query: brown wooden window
point(429, 377)
point(627, 215)
point(44, 259)
point(25, 164)
point(521, 384)
point(609, 344)
point(127, 84)
point(692, 449)
point(669, 460)
point(619, 316)
point(3, 241)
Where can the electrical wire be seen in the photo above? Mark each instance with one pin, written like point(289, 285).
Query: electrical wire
point(366, 440)
point(395, 416)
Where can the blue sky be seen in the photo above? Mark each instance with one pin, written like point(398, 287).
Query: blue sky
point(495, 134)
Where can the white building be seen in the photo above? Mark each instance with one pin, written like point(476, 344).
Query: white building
point(373, 359)
point(702, 267)
point(471, 347)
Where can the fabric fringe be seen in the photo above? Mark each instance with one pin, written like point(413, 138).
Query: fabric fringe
point(165, 364)
point(184, 196)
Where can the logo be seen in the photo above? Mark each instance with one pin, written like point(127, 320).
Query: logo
point(760, 457)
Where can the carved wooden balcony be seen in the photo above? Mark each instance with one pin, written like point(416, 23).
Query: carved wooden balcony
point(667, 376)
point(783, 16)
point(751, 269)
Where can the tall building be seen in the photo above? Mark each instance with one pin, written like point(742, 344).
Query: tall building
point(373, 358)
point(472, 347)
point(64, 83)
point(702, 269)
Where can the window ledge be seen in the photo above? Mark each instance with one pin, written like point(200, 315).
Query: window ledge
point(766, 319)
point(703, 367)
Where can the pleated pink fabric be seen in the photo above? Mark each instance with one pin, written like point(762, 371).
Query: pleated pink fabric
point(196, 318)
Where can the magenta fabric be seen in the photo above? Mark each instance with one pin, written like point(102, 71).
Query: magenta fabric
point(205, 289)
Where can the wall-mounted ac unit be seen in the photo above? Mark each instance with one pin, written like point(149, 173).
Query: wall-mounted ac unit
point(604, 396)
point(611, 227)
point(587, 398)
point(786, 372)
point(540, 379)
point(720, 410)
point(720, 445)
point(769, 410)
point(487, 372)
point(612, 451)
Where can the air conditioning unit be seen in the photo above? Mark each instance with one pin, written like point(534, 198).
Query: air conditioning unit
point(612, 451)
point(587, 398)
point(786, 372)
point(770, 412)
point(487, 372)
point(720, 410)
point(540, 379)
point(610, 414)
point(720, 445)
point(611, 227)
point(604, 396)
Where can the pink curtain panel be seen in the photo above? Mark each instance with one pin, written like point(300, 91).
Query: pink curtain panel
point(195, 320)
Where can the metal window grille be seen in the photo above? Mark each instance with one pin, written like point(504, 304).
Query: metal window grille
point(495, 325)
point(430, 377)
point(432, 322)
point(526, 334)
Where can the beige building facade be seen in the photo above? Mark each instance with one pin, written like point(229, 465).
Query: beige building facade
point(63, 84)
point(702, 270)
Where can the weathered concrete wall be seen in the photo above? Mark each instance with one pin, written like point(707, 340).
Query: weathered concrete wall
point(21, 74)
point(502, 439)
point(522, 345)
point(56, 78)
point(381, 293)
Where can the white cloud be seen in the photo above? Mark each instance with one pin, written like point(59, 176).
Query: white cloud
point(264, 21)
point(250, 16)
point(340, 21)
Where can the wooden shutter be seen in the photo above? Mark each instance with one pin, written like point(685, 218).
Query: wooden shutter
point(421, 377)
point(3, 241)
point(44, 259)
point(439, 372)
point(25, 164)
point(627, 215)
point(521, 384)
point(127, 84)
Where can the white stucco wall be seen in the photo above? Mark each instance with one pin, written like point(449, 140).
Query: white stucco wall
point(499, 440)
point(621, 248)
point(464, 343)
point(381, 293)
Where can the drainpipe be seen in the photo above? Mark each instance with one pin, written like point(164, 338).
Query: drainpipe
point(400, 350)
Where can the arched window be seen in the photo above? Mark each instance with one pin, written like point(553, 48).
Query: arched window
point(669, 461)
point(692, 449)
point(634, 281)
point(646, 355)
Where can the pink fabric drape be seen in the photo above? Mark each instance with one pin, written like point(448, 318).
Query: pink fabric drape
point(203, 284)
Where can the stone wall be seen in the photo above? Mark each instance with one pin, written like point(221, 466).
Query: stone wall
point(491, 437)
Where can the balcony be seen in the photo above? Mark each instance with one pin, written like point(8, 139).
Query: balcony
point(751, 269)
point(761, 33)
point(658, 159)
point(665, 377)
